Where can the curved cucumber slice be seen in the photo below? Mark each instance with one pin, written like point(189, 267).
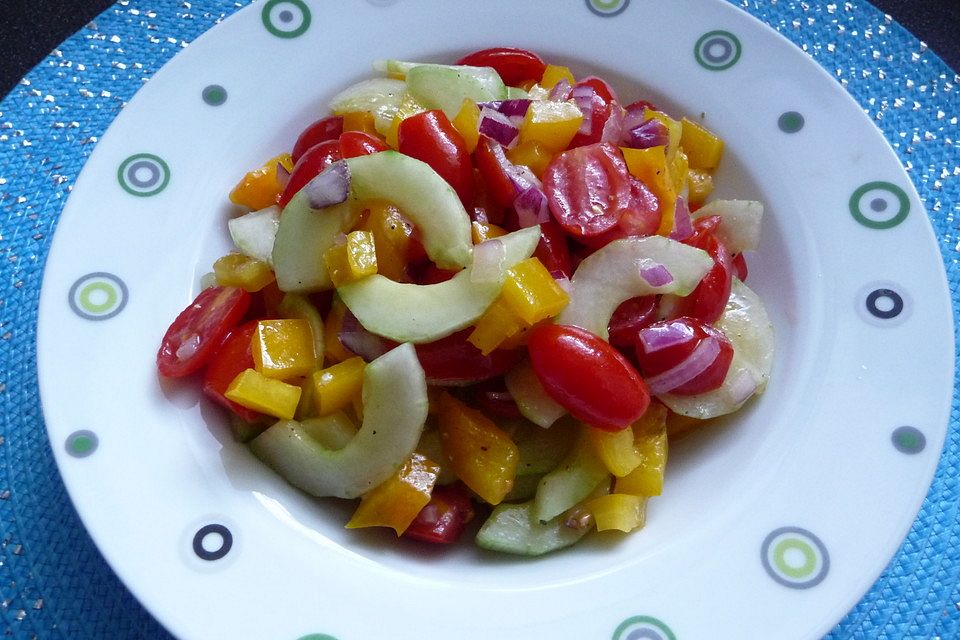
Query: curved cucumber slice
point(424, 313)
point(423, 196)
point(512, 528)
point(446, 87)
point(303, 236)
point(254, 233)
point(613, 274)
point(531, 398)
point(739, 228)
point(747, 325)
point(380, 96)
point(394, 411)
point(573, 480)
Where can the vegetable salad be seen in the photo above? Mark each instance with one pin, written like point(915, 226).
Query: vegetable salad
point(488, 291)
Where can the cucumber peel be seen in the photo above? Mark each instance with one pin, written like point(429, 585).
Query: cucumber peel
point(512, 528)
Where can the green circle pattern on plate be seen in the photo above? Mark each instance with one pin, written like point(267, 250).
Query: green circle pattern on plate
point(790, 121)
point(82, 443)
point(214, 95)
point(286, 18)
point(97, 296)
point(643, 628)
point(608, 8)
point(317, 636)
point(717, 50)
point(907, 439)
point(143, 175)
point(795, 558)
point(879, 205)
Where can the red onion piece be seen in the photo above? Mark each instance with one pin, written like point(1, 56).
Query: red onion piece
point(560, 91)
point(662, 336)
point(330, 187)
point(498, 126)
point(516, 108)
point(682, 226)
point(583, 97)
point(634, 115)
point(613, 127)
point(598, 79)
point(357, 339)
point(488, 257)
point(651, 133)
point(531, 206)
point(697, 362)
point(283, 176)
point(742, 386)
point(655, 274)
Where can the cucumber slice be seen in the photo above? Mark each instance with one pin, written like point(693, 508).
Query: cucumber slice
point(334, 431)
point(379, 96)
point(746, 323)
point(423, 196)
point(612, 274)
point(531, 398)
point(394, 410)
point(541, 450)
point(512, 528)
point(303, 236)
point(395, 68)
point(574, 479)
point(423, 313)
point(739, 228)
point(254, 233)
point(446, 87)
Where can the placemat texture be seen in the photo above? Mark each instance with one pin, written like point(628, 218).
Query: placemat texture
point(53, 581)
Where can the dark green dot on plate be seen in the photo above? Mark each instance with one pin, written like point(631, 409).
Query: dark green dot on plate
point(214, 95)
point(317, 636)
point(81, 444)
point(908, 440)
point(790, 122)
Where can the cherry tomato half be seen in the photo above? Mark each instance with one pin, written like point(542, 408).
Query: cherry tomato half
point(631, 316)
point(328, 128)
point(430, 137)
point(587, 377)
point(591, 193)
point(494, 168)
point(354, 144)
point(195, 334)
point(693, 332)
point(553, 250)
point(234, 356)
point(454, 361)
point(595, 95)
point(309, 166)
point(445, 517)
point(515, 66)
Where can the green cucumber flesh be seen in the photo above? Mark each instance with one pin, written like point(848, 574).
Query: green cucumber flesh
point(531, 398)
point(334, 431)
point(580, 473)
point(303, 236)
point(512, 528)
point(541, 450)
point(446, 87)
point(254, 233)
point(379, 96)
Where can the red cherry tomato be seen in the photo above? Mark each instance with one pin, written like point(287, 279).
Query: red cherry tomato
point(234, 356)
point(354, 144)
point(195, 334)
point(328, 128)
point(495, 169)
point(430, 137)
point(595, 95)
point(553, 250)
point(709, 299)
point(311, 163)
point(454, 361)
point(587, 376)
point(444, 518)
point(631, 316)
point(591, 193)
point(694, 332)
point(515, 66)
point(740, 267)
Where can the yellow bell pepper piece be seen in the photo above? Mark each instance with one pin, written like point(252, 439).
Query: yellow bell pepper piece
point(552, 124)
point(336, 387)
point(703, 147)
point(334, 351)
point(360, 121)
point(650, 440)
point(616, 449)
point(531, 292)
point(259, 188)
point(652, 167)
point(483, 231)
point(674, 130)
point(395, 502)
point(531, 154)
point(266, 395)
point(283, 348)
point(617, 511)
point(238, 270)
point(353, 260)
point(479, 452)
point(392, 233)
point(467, 124)
point(497, 323)
point(554, 74)
point(699, 186)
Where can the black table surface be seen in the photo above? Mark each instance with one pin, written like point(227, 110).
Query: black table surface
point(30, 29)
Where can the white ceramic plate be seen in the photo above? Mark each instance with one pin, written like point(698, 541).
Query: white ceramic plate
point(773, 524)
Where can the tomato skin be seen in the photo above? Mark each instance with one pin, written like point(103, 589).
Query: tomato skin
point(709, 299)
point(515, 66)
point(454, 361)
point(592, 195)
point(354, 144)
point(430, 137)
point(494, 166)
point(233, 356)
point(631, 316)
point(553, 250)
point(444, 518)
point(652, 364)
point(740, 267)
point(597, 96)
point(309, 166)
point(587, 376)
point(205, 321)
point(328, 128)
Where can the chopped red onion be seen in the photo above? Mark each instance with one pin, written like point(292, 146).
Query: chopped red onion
point(583, 97)
point(189, 347)
point(357, 339)
point(560, 91)
point(498, 126)
point(283, 176)
point(634, 115)
point(488, 257)
point(513, 109)
point(682, 226)
point(702, 357)
point(663, 335)
point(598, 79)
point(531, 206)
point(655, 273)
point(613, 127)
point(651, 133)
point(741, 386)
point(330, 187)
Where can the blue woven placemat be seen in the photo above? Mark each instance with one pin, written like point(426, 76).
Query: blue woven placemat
point(53, 581)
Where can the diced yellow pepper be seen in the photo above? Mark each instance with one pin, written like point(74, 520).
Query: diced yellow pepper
point(392, 233)
point(239, 270)
point(467, 124)
point(306, 407)
point(650, 440)
point(396, 501)
point(360, 121)
point(554, 74)
point(703, 147)
point(283, 348)
point(553, 124)
point(618, 511)
point(355, 259)
point(674, 130)
point(336, 387)
point(531, 154)
point(259, 188)
point(479, 452)
point(334, 351)
point(616, 449)
point(496, 324)
point(678, 170)
point(699, 186)
point(483, 231)
point(531, 292)
point(651, 167)
point(266, 395)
